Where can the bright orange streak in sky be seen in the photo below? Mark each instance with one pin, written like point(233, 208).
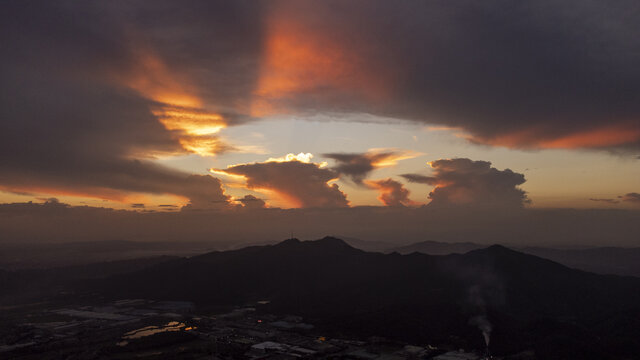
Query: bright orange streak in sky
point(285, 200)
point(297, 60)
point(202, 145)
point(154, 80)
point(608, 136)
point(392, 156)
point(179, 107)
point(601, 137)
point(191, 121)
point(101, 193)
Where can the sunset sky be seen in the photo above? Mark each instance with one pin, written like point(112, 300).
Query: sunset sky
point(158, 106)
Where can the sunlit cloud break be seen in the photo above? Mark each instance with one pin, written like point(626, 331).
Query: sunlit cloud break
point(293, 179)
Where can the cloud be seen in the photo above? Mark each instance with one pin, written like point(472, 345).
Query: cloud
point(467, 182)
point(392, 193)
point(86, 105)
point(631, 197)
point(610, 201)
point(420, 179)
point(85, 89)
point(357, 166)
point(203, 192)
point(521, 75)
point(120, 180)
point(252, 202)
point(299, 183)
point(525, 74)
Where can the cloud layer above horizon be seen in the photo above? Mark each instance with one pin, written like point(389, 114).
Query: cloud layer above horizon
point(475, 183)
point(93, 93)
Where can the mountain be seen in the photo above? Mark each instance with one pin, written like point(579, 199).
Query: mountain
point(17, 256)
point(367, 245)
point(531, 302)
point(601, 260)
point(437, 248)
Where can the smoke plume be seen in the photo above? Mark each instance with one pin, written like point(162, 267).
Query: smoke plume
point(484, 325)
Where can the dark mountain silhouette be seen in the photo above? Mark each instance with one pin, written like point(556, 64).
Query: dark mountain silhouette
point(532, 302)
point(367, 245)
point(601, 260)
point(437, 248)
point(18, 256)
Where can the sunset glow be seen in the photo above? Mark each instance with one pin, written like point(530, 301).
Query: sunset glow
point(299, 60)
point(601, 137)
point(313, 102)
point(235, 178)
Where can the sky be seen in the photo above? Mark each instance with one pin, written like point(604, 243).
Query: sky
point(162, 106)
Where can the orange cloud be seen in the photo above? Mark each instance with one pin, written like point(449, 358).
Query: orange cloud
point(383, 157)
point(179, 108)
point(203, 145)
point(190, 121)
point(89, 192)
point(152, 78)
point(606, 136)
point(392, 193)
point(299, 59)
point(601, 137)
point(293, 179)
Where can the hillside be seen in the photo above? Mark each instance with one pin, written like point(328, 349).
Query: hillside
point(529, 301)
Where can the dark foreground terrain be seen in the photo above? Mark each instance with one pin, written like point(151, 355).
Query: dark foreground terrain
point(313, 294)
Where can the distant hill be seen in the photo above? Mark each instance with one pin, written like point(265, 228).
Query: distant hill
point(531, 302)
point(39, 284)
point(367, 245)
point(437, 248)
point(601, 260)
point(39, 256)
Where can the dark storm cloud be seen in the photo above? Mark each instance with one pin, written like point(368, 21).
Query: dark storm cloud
point(357, 166)
point(519, 74)
point(216, 45)
point(69, 124)
point(79, 80)
point(631, 197)
point(420, 179)
point(301, 184)
point(468, 182)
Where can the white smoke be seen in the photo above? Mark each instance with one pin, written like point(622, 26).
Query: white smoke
point(484, 325)
point(481, 321)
